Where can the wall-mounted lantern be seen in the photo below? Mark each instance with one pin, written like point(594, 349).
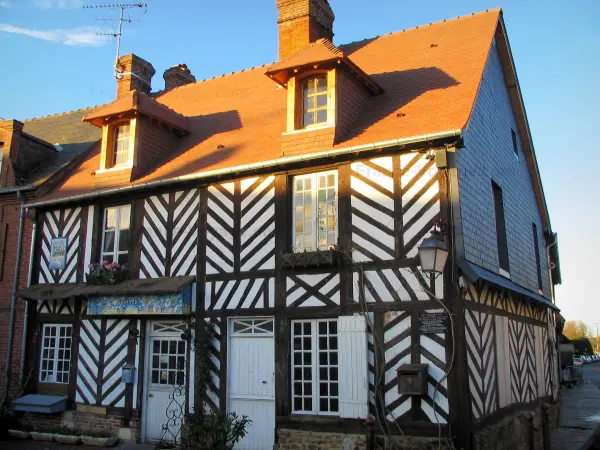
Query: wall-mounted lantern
point(433, 253)
point(128, 373)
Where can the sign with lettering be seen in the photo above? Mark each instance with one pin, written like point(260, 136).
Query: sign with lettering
point(433, 323)
point(178, 303)
point(58, 253)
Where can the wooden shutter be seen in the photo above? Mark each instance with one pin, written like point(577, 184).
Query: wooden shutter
point(354, 387)
point(3, 231)
point(503, 361)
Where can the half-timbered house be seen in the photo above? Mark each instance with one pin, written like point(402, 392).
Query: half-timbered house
point(285, 205)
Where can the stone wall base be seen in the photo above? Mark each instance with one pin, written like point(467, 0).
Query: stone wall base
point(517, 432)
point(312, 440)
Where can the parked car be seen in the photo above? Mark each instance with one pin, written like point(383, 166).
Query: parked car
point(577, 362)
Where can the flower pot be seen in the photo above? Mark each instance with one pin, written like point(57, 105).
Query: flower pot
point(99, 441)
point(18, 434)
point(41, 436)
point(67, 439)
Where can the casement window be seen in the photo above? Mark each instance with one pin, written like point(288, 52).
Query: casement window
point(116, 234)
point(329, 367)
point(314, 101)
point(538, 263)
point(315, 377)
point(514, 142)
point(502, 242)
point(55, 361)
point(315, 211)
point(120, 150)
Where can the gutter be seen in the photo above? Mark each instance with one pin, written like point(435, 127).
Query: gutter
point(13, 304)
point(10, 190)
point(236, 170)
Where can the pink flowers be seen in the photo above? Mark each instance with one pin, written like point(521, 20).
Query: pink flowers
point(105, 265)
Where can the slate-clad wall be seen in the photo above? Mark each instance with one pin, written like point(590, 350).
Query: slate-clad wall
point(488, 154)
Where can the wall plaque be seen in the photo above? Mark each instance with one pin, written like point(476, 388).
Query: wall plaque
point(58, 253)
point(432, 323)
point(178, 303)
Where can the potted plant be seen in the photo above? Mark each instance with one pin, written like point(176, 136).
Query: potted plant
point(42, 434)
point(67, 435)
point(106, 272)
point(20, 432)
point(98, 437)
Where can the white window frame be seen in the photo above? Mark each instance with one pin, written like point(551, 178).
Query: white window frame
point(125, 150)
point(57, 348)
point(315, 110)
point(115, 252)
point(315, 378)
point(315, 205)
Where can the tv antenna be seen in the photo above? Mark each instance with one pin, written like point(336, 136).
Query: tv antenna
point(118, 33)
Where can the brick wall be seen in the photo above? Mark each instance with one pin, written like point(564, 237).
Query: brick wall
point(307, 141)
point(9, 212)
point(489, 156)
point(352, 96)
point(155, 144)
point(112, 178)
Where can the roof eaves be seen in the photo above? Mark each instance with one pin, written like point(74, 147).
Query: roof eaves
point(281, 162)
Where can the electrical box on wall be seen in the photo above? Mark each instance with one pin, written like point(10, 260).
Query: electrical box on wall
point(412, 379)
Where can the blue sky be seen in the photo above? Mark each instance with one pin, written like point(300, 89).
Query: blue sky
point(52, 61)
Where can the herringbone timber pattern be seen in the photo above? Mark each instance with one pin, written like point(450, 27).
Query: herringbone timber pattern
point(60, 223)
point(115, 356)
point(247, 293)
point(154, 238)
point(420, 199)
point(397, 351)
point(433, 352)
point(257, 226)
point(394, 285)
point(372, 202)
point(184, 250)
point(88, 362)
point(481, 362)
point(220, 227)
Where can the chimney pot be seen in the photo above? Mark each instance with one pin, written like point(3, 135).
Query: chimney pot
point(178, 75)
point(135, 74)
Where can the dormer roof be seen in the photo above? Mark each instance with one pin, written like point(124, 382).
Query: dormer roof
point(142, 103)
point(318, 54)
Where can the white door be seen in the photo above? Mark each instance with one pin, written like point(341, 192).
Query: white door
point(165, 381)
point(252, 379)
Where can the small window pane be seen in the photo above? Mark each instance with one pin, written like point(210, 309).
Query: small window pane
point(321, 84)
point(321, 116)
point(309, 118)
point(321, 101)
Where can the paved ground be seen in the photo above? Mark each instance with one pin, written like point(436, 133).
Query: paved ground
point(580, 413)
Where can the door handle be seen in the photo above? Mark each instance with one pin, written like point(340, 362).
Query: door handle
point(264, 382)
point(150, 395)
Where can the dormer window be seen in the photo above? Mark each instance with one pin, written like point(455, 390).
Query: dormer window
point(314, 96)
point(120, 156)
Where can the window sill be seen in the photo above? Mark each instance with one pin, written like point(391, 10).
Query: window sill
point(314, 258)
point(114, 169)
point(308, 129)
point(504, 273)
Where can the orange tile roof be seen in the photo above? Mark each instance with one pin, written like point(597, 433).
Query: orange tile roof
point(321, 50)
point(139, 101)
point(430, 76)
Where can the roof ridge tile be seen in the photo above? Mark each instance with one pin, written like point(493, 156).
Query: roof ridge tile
point(65, 113)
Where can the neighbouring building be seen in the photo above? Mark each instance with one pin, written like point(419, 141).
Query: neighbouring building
point(32, 155)
point(285, 205)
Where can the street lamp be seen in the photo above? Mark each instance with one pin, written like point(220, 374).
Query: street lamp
point(433, 253)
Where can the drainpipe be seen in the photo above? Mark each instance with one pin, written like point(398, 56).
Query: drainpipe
point(13, 304)
point(26, 316)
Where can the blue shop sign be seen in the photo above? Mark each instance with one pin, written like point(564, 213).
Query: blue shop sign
point(177, 303)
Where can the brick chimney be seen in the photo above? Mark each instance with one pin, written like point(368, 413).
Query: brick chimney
point(10, 136)
point(178, 75)
point(302, 22)
point(136, 75)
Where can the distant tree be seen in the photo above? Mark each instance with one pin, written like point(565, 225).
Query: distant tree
point(576, 329)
